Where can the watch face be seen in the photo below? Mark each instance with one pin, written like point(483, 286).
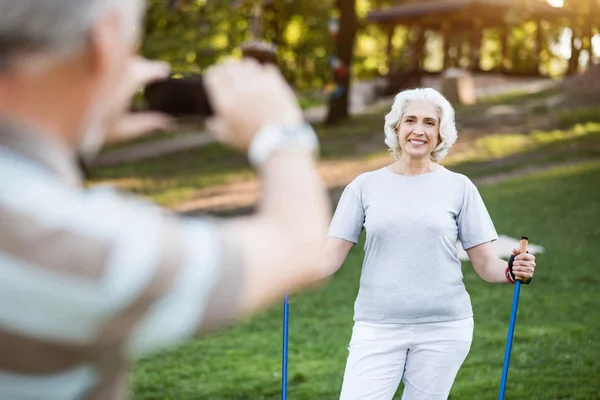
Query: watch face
point(295, 131)
point(289, 132)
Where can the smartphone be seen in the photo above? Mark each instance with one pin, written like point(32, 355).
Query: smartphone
point(186, 97)
point(181, 97)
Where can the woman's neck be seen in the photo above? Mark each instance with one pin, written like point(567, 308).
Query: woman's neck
point(409, 166)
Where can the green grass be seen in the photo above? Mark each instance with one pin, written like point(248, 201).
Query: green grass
point(556, 349)
point(309, 100)
point(567, 118)
point(518, 97)
point(556, 352)
point(500, 153)
point(150, 138)
point(171, 179)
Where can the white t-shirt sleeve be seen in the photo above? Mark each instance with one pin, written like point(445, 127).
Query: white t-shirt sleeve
point(349, 216)
point(475, 225)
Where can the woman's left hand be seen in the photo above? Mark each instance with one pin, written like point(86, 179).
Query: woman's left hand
point(523, 265)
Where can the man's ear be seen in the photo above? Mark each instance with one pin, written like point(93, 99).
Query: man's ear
point(104, 39)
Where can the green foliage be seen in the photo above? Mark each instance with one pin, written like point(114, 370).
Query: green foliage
point(195, 34)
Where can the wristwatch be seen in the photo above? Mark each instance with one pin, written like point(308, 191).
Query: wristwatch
point(272, 138)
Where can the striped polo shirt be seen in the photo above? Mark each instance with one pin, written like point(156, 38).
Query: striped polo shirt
point(91, 279)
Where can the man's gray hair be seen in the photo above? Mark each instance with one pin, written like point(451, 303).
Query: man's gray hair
point(56, 27)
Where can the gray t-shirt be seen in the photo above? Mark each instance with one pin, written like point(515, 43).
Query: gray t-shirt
point(411, 272)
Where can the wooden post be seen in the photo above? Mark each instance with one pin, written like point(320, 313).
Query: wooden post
point(575, 51)
point(505, 58)
point(539, 45)
point(475, 44)
point(419, 48)
point(594, 11)
point(391, 29)
point(446, 33)
point(589, 29)
point(339, 106)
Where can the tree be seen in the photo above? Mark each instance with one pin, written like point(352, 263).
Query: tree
point(586, 20)
point(339, 105)
point(192, 35)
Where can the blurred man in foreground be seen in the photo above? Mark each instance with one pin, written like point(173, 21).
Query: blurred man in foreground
point(89, 279)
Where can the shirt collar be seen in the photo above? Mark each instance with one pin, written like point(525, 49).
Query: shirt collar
point(41, 149)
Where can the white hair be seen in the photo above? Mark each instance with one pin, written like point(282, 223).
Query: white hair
point(42, 31)
point(447, 126)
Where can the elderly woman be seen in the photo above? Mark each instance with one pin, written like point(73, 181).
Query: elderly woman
point(413, 316)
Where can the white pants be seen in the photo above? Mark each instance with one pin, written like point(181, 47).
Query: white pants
point(426, 357)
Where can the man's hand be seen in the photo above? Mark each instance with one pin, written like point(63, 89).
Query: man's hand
point(245, 96)
point(128, 125)
point(133, 125)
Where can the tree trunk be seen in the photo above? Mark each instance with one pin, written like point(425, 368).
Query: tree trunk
point(339, 105)
point(475, 44)
point(575, 52)
point(505, 63)
point(539, 46)
point(589, 29)
point(390, 48)
point(576, 25)
point(447, 36)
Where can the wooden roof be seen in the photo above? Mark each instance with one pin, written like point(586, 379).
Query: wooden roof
point(413, 12)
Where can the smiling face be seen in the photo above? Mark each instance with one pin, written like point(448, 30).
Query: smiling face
point(419, 130)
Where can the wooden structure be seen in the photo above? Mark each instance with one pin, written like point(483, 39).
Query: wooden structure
point(463, 22)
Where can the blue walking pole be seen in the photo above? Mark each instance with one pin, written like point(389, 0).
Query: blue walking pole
point(284, 353)
point(511, 327)
point(511, 330)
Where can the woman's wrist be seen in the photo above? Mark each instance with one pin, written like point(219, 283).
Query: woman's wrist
point(508, 275)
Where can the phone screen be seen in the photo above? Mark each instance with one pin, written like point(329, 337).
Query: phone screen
point(179, 97)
